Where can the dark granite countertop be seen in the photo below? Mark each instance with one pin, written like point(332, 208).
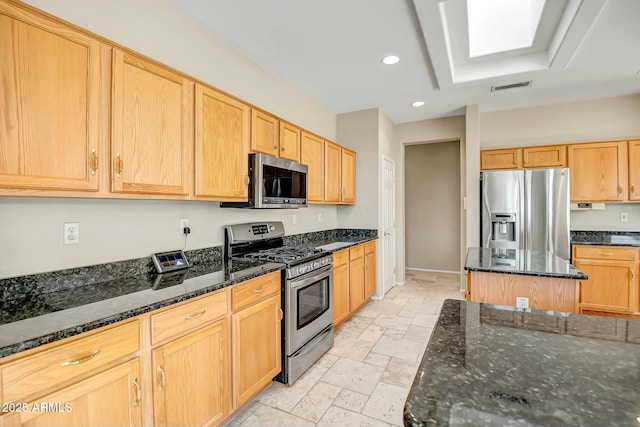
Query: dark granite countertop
point(33, 319)
point(499, 366)
point(43, 308)
point(606, 238)
point(523, 262)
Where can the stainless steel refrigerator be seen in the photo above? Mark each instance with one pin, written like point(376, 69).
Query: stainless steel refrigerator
point(526, 209)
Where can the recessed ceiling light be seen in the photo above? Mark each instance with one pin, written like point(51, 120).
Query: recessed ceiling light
point(390, 60)
point(418, 104)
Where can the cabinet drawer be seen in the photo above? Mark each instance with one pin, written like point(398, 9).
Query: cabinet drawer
point(604, 252)
point(370, 247)
point(193, 314)
point(341, 257)
point(356, 252)
point(255, 289)
point(43, 371)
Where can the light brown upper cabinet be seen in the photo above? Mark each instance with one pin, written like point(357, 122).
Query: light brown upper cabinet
point(289, 141)
point(152, 127)
point(348, 176)
point(265, 133)
point(312, 155)
point(221, 146)
point(634, 170)
point(549, 156)
point(598, 171)
point(332, 172)
point(508, 158)
point(50, 115)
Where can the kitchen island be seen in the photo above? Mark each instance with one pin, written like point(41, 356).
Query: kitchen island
point(501, 276)
point(498, 366)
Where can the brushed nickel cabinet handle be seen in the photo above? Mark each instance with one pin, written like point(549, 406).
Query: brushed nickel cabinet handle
point(633, 189)
point(82, 359)
point(136, 402)
point(163, 377)
point(605, 253)
point(257, 291)
point(119, 165)
point(280, 314)
point(94, 162)
point(619, 189)
point(247, 180)
point(633, 274)
point(195, 316)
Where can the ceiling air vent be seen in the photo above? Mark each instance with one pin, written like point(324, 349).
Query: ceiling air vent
point(511, 86)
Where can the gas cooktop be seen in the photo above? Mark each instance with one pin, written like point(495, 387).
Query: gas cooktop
point(286, 254)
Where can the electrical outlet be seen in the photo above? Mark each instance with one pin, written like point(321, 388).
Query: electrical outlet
point(623, 217)
point(71, 233)
point(522, 302)
point(183, 223)
point(294, 219)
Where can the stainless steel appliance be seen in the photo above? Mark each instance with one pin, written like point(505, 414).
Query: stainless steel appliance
point(526, 209)
point(307, 292)
point(274, 183)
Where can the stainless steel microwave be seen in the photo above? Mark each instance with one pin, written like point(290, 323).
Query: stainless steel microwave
point(274, 184)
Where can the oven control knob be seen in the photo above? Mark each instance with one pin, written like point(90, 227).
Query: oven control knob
point(272, 228)
point(316, 264)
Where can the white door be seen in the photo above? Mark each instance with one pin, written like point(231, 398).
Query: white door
point(388, 226)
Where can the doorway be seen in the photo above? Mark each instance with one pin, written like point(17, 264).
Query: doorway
point(388, 225)
point(432, 207)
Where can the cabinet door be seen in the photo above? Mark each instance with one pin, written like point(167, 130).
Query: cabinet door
point(111, 398)
point(611, 285)
point(312, 155)
point(221, 146)
point(634, 170)
point(191, 378)
point(348, 176)
point(51, 105)
point(340, 293)
point(264, 133)
point(509, 158)
point(332, 172)
point(369, 275)
point(256, 348)
point(152, 127)
point(550, 156)
point(598, 171)
point(356, 283)
point(289, 142)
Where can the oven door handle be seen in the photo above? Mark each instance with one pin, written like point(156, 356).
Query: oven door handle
point(315, 276)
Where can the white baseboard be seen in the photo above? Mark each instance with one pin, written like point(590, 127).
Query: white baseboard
point(433, 271)
point(401, 283)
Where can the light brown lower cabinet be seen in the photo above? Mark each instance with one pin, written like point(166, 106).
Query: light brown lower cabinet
point(354, 280)
point(189, 364)
point(110, 398)
point(190, 378)
point(612, 288)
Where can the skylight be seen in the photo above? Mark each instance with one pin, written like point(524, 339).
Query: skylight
point(501, 25)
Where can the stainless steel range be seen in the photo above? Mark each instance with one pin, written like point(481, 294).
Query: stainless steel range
point(307, 292)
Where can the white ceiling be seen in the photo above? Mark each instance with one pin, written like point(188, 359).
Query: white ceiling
point(332, 51)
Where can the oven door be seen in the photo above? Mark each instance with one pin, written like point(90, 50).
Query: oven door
point(308, 307)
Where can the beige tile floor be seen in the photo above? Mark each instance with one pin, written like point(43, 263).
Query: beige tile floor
point(363, 380)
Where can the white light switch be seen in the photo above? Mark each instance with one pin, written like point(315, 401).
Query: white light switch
point(294, 219)
point(623, 217)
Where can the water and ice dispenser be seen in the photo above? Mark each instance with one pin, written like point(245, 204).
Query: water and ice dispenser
point(503, 230)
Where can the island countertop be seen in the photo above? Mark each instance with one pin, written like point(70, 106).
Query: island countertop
point(523, 262)
point(496, 365)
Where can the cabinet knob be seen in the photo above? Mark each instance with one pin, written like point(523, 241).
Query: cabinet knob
point(275, 146)
point(619, 189)
point(282, 148)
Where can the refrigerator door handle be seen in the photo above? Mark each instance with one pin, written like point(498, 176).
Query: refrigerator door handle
point(525, 208)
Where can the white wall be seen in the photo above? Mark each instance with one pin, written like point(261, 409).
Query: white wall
point(110, 230)
point(359, 131)
point(596, 120)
